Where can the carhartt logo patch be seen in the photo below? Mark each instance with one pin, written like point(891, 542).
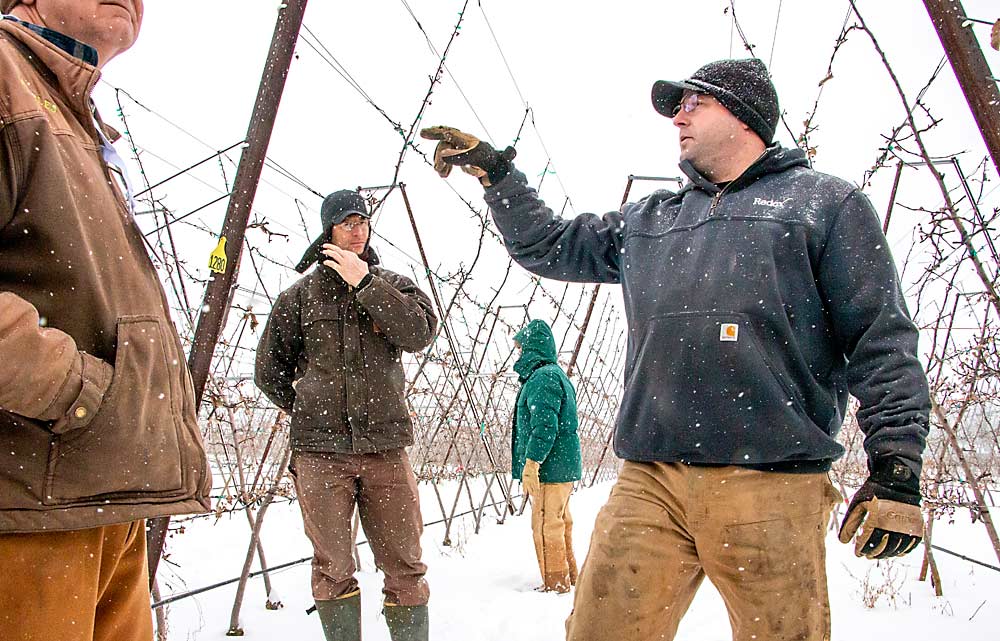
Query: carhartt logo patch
point(729, 332)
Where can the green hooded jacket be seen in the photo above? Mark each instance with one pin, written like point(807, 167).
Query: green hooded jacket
point(545, 413)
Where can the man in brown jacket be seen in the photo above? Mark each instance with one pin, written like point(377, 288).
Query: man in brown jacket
point(98, 429)
point(330, 356)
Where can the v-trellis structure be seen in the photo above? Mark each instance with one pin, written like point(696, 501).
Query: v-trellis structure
point(460, 391)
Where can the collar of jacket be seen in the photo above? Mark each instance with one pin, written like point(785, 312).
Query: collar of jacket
point(529, 369)
point(71, 46)
point(74, 78)
point(774, 159)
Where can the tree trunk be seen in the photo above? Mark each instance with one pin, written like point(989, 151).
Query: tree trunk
point(929, 563)
point(354, 536)
point(234, 620)
point(160, 613)
point(984, 511)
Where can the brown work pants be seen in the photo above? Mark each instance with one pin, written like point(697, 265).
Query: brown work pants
point(81, 585)
point(758, 536)
point(552, 529)
point(384, 489)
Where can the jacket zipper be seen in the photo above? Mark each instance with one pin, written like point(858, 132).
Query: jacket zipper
point(718, 197)
point(715, 200)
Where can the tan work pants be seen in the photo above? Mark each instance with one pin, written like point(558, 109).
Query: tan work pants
point(552, 529)
point(758, 536)
point(82, 585)
point(383, 487)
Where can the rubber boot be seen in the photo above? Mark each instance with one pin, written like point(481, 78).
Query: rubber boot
point(407, 622)
point(341, 617)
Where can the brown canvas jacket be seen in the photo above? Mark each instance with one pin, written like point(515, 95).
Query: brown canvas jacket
point(341, 347)
point(97, 416)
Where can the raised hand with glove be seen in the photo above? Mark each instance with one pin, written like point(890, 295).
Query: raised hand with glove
point(887, 510)
point(474, 156)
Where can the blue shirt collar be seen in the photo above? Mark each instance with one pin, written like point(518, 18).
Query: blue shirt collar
point(71, 46)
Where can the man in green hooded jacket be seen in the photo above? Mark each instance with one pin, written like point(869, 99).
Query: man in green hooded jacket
point(545, 452)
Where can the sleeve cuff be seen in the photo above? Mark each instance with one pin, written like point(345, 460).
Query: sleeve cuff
point(496, 189)
point(96, 378)
point(365, 281)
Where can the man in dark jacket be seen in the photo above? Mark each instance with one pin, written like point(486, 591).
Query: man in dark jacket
point(330, 356)
point(545, 452)
point(98, 424)
point(758, 297)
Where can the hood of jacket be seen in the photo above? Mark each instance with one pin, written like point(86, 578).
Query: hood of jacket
point(538, 347)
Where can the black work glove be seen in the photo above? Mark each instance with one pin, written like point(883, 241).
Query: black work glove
point(474, 156)
point(887, 510)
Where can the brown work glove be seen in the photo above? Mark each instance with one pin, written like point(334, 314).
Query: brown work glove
point(529, 478)
point(887, 511)
point(474, 156)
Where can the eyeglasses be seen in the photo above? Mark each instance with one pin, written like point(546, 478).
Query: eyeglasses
point(351, 225)
point(689, 103)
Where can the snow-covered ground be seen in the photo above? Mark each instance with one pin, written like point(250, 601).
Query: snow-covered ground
point(482, 585)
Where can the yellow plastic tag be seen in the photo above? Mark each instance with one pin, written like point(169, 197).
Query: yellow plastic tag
point(217, 260)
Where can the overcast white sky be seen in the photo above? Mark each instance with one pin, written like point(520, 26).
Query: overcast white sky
point(585, 70)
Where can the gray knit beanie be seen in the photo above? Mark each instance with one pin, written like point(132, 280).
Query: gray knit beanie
point(743, 87)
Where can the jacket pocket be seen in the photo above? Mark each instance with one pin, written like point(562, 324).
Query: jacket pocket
point(132, 447)
point(385, 380)
point(322, 331)
point(319, 393)
point(703, 390)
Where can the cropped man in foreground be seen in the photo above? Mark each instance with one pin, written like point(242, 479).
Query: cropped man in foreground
point(98, 425)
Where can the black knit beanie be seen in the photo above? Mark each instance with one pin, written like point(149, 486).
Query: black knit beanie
point(743, 87)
